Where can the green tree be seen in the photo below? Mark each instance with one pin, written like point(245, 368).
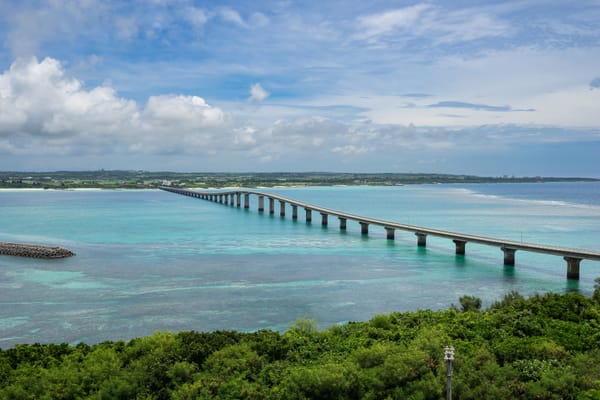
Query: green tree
point(470, 303)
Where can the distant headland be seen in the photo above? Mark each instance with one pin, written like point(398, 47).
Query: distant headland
point(116, 179)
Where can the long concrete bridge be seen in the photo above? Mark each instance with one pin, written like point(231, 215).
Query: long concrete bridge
point(573, 257)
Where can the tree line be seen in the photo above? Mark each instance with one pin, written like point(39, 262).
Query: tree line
point(542, 347)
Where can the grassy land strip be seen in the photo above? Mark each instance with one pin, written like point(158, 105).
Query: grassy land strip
point(149, 180)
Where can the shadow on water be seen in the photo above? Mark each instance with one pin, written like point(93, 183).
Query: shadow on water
point(572, 286)
point(460, 260)
point(508, 271)
point(421, 250)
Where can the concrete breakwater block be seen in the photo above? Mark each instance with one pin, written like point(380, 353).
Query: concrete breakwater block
point(34, 251)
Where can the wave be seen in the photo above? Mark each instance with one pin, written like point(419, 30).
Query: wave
point(517, 200)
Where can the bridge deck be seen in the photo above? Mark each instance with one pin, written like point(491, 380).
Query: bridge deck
point(569, 254)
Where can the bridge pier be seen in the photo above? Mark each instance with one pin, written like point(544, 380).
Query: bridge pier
point(572, 267)
point(271, 206)
point(261, 203)
point(308, 214)
point(294, 212)
point(281, 208)
point(509, 255)
point(323, 219)
point(342, 223)
point(421, 239)
point(238, 199)
point(390, 233)
point(246, 200)
point(364, 228)
point(460, 246)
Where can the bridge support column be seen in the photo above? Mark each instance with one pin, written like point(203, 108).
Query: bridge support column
point(364, 228)
point(342, 223)
point(238, 199)
point(308, 214)
point(323, 219)
point(271, 206)
point(246, 200)
point(572, 267)
point(421, 239)
point(261, 203)
point(281, 208)
point(390, 233)
point(294, 212)
point(460, 246)
point(221, 200)
point(509, 255)
point(232, 199)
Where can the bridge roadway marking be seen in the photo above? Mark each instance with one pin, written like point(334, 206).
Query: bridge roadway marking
point(573, 257)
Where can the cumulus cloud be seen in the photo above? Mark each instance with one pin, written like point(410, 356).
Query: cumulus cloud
point(258, 93)
point(40, 103)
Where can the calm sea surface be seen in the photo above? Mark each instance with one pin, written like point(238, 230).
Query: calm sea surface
point(152, 260)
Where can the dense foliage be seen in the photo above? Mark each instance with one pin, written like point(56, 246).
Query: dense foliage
point(544, 347)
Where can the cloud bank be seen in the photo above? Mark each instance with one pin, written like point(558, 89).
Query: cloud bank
point(46, 112)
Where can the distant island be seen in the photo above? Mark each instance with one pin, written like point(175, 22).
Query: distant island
point(115, 179)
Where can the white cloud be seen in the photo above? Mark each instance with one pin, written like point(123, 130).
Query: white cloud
point(259, 19)
point(258, 93)
point(230, 15)
point(425, 21)
point(350, 150)
point(196, 16)
point(183, 112)
point(375, 25)
point(40, 104)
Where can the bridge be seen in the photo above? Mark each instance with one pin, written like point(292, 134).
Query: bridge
point(573, 257)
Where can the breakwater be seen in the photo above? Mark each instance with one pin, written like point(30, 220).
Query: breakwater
point(33, 251)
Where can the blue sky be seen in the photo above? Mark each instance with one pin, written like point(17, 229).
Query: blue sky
point(467, 87)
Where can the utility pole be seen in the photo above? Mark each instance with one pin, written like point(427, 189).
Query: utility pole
point(448, 358)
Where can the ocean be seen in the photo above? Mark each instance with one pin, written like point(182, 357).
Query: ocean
point(150, 260)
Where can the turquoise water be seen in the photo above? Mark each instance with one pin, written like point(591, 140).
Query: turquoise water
point(152, 260)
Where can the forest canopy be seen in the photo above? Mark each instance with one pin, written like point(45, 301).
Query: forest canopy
point(543, 347)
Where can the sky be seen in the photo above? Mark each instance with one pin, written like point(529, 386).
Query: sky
point(488, 88)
